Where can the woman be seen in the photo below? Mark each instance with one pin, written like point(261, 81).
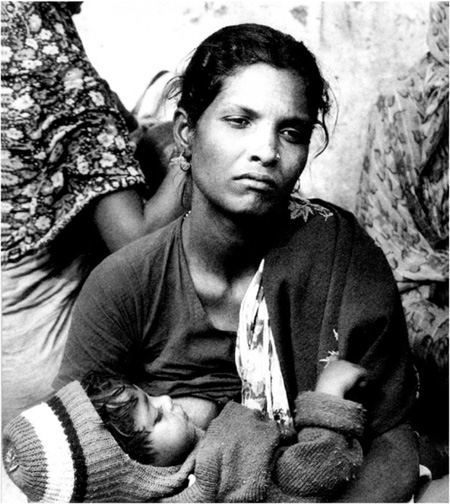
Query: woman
point(295, 281)
point(71, 190)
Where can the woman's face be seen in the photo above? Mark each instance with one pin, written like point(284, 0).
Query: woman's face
point(251, 144)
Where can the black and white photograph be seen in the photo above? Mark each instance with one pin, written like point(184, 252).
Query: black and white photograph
point(225, 235)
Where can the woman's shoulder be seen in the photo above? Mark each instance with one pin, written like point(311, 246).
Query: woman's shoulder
point(322, 236)
point(142, 253)
point(320, 229)
point(307, 214)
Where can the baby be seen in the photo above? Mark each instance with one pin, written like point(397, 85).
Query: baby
point(152, 430)
point(157, 431)
point(106, 440)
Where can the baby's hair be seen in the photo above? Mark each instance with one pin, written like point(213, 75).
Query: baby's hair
point(104, 390)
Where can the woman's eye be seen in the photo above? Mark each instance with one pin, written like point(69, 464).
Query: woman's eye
point(238, 122)
point(296, 136)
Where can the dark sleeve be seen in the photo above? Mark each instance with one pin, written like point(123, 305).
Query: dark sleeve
point(105, 326)
point(327, 452)
point(374, 335)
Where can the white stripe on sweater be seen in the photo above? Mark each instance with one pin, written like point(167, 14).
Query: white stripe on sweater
point(61, 477)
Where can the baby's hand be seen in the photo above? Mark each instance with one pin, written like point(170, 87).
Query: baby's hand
point(339, 376)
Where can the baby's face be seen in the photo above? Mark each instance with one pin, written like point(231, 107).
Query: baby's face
point(171, 432)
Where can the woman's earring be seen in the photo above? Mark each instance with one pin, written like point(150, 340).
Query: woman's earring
point(185, 165)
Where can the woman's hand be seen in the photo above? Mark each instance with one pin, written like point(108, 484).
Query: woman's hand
point(339, 376)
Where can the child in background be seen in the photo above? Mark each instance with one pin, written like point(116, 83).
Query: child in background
point(106, 440)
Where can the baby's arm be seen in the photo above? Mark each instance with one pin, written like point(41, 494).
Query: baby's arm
point(327, 453)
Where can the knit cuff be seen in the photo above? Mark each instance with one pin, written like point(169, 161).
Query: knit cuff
point(317, 409)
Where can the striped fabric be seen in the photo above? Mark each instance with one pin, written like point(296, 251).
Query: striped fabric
point(57, 471)
point(79, 464)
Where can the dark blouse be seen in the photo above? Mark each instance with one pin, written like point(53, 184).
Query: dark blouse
point(140, 315)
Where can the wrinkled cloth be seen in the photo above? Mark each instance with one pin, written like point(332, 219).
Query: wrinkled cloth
point(240, 460)
point(403, 196)
point(64, 141)
point(36, 312)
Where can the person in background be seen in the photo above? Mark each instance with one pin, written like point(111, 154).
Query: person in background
point(403, 204)
point(72, 191)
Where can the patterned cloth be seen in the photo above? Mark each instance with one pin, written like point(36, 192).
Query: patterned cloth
point(63, 138)
point(257, 360)
point(403, 196)
point(63, 145)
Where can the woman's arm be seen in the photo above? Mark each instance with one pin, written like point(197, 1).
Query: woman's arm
point(376, 338)
point(363, 320)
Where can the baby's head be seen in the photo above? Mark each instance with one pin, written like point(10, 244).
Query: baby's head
point(62, 451)
point(151, 430)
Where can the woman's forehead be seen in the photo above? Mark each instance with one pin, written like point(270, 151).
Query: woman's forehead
point(257, 70)
point(261, 85)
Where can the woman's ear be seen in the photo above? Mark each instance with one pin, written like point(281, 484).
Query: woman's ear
point(182, 132)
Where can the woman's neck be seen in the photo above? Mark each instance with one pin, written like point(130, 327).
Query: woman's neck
point(223, 254)
point(225, 246)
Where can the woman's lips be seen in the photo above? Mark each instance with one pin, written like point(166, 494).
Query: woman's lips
point(258, 181)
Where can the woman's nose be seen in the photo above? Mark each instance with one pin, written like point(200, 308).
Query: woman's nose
point(264, 147)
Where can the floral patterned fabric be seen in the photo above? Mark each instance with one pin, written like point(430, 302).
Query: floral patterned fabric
point(64, 141)
point(256, 358)
point(403, 196)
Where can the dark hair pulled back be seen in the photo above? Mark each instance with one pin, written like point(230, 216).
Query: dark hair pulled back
point(227, 50)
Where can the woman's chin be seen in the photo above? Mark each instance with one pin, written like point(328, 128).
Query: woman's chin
point(257, 211)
